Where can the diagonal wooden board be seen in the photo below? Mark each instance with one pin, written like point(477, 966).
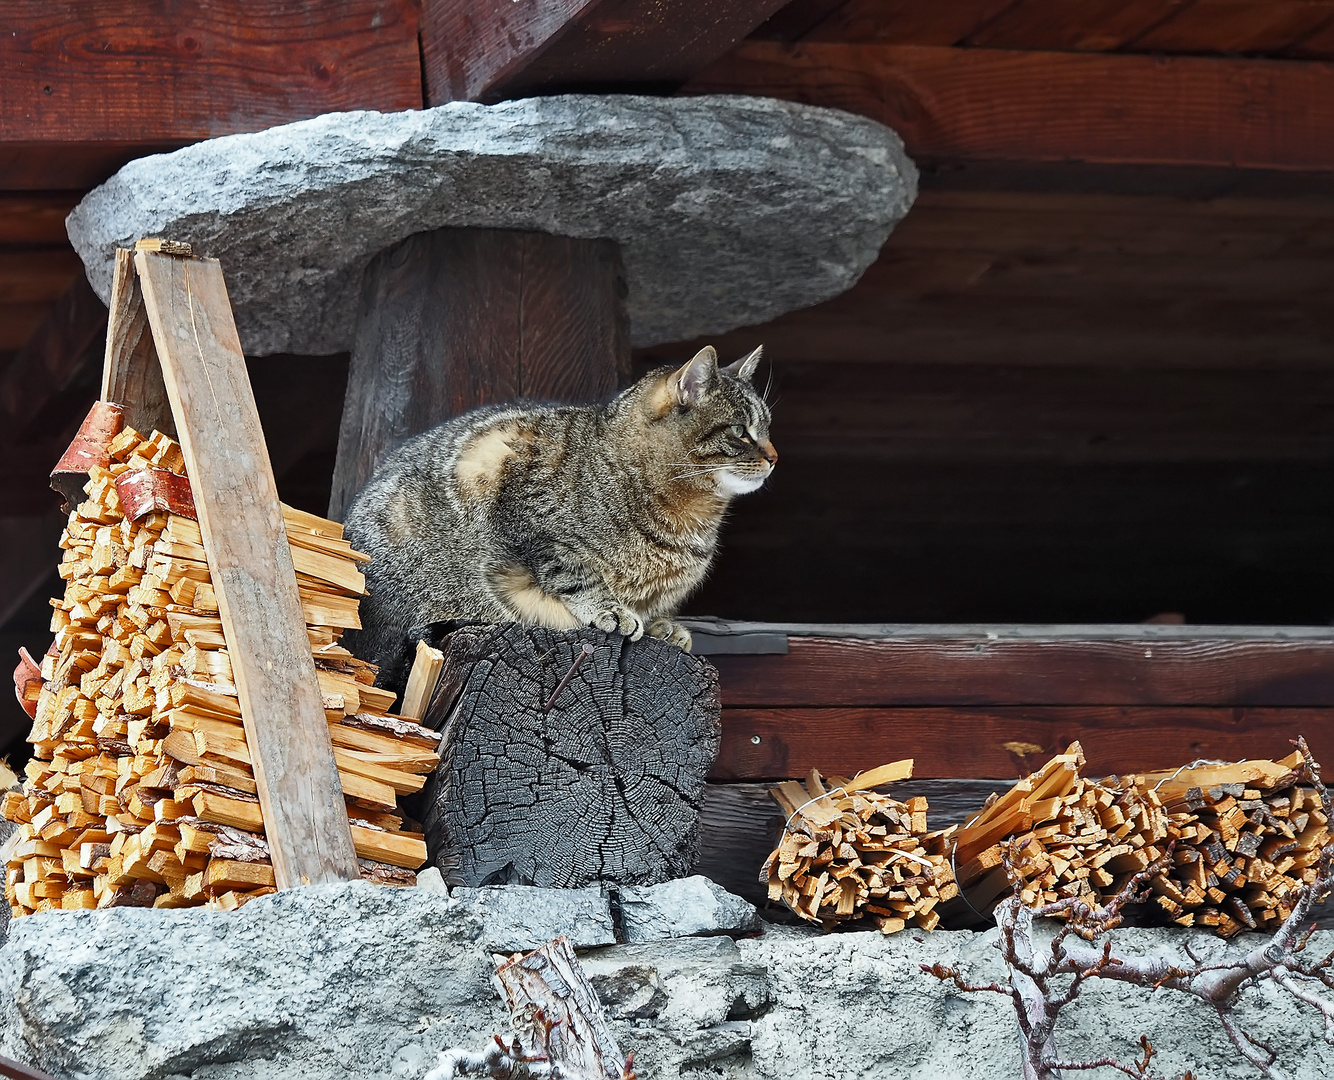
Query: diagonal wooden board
point(305, 818)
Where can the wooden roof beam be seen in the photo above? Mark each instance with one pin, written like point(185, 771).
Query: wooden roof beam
point(87, 87)
point(493, 50)
point(1002, 104)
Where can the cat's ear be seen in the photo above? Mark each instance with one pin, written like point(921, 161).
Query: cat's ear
point(744, 368)
point(696, 380)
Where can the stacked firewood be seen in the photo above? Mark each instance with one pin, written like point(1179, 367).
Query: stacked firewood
point(1061, 834)
point(850, 853)
point(1243, 838)
point(141, 789)
point(1247, 837)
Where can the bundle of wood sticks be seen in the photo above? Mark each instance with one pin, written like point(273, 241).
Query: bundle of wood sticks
point(849, 853)
point(1232, 842)
point(141, 789)
point(1061, 834)
point(1247, 836)
point(1243, 838)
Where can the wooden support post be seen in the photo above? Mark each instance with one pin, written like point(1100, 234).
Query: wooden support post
point(457, 318)
point(241, 521)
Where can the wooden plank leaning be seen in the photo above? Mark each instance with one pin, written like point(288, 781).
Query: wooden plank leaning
point(305, 819)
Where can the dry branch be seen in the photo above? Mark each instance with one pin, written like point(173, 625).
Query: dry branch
point(555, 1012)
point(1043, 981)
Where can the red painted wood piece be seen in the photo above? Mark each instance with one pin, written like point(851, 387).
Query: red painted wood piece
point(90, 445)
point(1006, 741)
point(146, 490)
point(90, 448)
point(1009, 104)
point(26, 674)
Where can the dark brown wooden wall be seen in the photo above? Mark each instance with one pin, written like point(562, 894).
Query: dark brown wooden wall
point(1062, 394)
point(1086, 380)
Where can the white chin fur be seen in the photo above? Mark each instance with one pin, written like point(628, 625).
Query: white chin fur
point(733, 483)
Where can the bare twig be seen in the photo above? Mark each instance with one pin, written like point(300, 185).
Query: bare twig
point(1041, 985)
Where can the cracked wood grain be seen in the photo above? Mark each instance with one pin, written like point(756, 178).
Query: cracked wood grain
point(604, 786)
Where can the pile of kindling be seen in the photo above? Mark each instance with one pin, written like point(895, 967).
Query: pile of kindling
point(849, 853)
point(141, 789)
point(1233, 842)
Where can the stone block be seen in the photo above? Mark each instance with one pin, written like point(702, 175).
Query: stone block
point(519, 918)
point(358, 981)
point(686, 907)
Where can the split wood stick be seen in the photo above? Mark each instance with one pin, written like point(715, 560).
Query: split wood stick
point(254, 579)
point(422, 680)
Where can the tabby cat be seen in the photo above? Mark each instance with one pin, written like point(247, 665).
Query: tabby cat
point(561, 515)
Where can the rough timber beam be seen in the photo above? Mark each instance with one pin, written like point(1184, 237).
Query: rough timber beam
point(86, 87)
point(491, 50)
point(1003, 104)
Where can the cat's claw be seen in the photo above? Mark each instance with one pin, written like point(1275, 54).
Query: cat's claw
point(671, 632)
point(619, 618)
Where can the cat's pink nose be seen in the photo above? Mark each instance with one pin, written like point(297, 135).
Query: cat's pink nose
point(769, 454)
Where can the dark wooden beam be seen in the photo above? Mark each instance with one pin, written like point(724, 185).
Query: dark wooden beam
point(66, 346)
point(934, 670)
point(87, 86)
point(498, 49)
point(35, 217)
point(978, 704)
point(458, 318)
point(952, 103)
point(1006, 741)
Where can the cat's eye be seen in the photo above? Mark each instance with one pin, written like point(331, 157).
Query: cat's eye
point(738, 431)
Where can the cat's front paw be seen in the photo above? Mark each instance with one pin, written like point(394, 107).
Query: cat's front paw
point(671, 632)
point(620, 619)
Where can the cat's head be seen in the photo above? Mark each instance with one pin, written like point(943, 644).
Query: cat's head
point(715, 423)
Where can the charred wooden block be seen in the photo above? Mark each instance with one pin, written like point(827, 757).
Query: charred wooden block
point(605, 785)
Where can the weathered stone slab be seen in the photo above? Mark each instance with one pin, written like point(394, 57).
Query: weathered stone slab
point(327, 980)
point(728, 210)
point(357, 981)
point(7, 831)
point(686, 907)
point(520, 918)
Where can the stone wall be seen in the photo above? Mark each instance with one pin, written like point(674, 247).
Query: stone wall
point(362, 981)
point(7, 830)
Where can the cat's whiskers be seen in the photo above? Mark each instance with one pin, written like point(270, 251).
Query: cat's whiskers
point(701, 470)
